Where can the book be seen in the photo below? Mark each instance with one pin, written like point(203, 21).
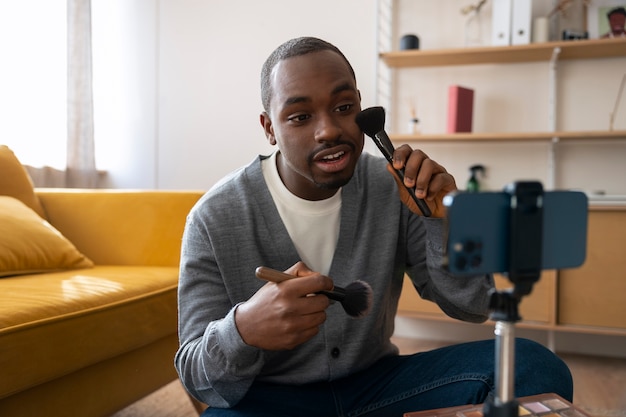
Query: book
point(520, 22)
point(501, 22)
point(460, 109)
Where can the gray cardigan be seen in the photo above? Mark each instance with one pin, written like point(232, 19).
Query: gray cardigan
point(236, 227)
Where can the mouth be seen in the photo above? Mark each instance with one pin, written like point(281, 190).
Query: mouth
point(334, 159)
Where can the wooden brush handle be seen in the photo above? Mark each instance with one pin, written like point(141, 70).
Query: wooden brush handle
point(272, 275)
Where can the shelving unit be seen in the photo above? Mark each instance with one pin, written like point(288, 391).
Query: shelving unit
point(566, 300)
point(548, 52)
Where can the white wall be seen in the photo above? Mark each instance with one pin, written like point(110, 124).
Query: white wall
point(194, 68)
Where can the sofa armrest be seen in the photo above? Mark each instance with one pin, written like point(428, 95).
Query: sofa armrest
point(120, 227)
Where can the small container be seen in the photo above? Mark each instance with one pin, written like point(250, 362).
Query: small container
point(409, 41)
point(473, 185)
point(541, 30)
point(413, 126)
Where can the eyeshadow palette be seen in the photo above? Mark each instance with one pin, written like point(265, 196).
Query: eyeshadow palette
point(544, 405)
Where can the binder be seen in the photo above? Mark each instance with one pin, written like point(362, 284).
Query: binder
point(521, 22)
point(501, 22)
point(460, 109)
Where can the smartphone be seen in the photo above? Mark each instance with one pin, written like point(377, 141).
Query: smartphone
point(479, 231)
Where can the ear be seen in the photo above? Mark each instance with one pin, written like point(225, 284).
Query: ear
point(266, 122)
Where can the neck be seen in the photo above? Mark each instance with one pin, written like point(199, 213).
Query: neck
point(299, 185)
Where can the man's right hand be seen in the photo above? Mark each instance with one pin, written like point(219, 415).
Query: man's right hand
point(285, 315)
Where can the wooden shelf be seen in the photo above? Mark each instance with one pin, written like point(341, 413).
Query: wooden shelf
point(579, 49)
point(510, 137)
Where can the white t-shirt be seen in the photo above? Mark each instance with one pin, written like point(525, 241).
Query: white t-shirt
point(312, 225)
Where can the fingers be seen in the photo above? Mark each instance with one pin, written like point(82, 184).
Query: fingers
point(285, 313)
point(299, 269)
point(314, 283)
point(405, 196)
point(274, 319)
point(429, 179)
point(423, 174)
point(277, 323)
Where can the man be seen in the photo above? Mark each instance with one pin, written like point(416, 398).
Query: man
point(617, 23)
point(318, 209)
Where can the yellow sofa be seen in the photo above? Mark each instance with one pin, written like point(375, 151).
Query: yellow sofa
point(90, 341)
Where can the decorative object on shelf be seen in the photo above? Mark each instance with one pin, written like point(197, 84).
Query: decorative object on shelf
point(541, 29)
point(413, 120)
point(473, 26)
point(473, 185)
point(473, 8)
point(460, 109)
point(560, 8)
point(573, 35)
point(620, 90)
point(567, 19)
point(409, 41)
point(606, 19)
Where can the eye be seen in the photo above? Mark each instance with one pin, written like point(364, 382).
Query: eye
point(298, 118)
point(344, 108)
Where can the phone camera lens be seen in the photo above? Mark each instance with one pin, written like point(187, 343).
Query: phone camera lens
point(461, 263)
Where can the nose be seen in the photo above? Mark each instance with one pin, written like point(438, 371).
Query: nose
point(327, 129)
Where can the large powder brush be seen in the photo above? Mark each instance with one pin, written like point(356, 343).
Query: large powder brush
point(372, 123)
point(356, 298)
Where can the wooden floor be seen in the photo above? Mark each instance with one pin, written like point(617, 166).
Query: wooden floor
point(599, 387)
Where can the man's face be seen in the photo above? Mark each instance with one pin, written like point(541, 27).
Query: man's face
point(617, 22)
point(312, 111)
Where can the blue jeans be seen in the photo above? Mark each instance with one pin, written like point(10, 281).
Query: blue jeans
point(450, 376)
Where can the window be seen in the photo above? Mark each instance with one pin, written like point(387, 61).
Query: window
point(33, 80)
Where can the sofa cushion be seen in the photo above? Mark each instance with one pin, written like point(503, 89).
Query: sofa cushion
point(56, 323)
point(15, 181)
point(29, 244)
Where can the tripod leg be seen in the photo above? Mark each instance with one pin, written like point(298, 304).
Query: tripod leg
point(504, 404)
point(505, 361)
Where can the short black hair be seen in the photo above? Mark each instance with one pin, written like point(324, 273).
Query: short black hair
point(294, 47)
point(619, 10)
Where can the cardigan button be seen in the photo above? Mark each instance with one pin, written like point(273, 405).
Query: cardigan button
point(335, 353)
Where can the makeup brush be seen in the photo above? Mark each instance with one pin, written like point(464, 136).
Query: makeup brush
point(356, 298)
point(372, 123)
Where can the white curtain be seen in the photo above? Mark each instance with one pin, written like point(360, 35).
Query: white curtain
point(81, 162)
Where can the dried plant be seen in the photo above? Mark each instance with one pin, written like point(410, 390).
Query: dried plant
point(473, 7)
point(562, 6)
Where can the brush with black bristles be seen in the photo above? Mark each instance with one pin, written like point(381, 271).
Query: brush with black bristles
point(372, 123)
point(356, 298)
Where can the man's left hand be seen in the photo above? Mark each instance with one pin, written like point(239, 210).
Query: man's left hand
point(430, 180)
